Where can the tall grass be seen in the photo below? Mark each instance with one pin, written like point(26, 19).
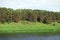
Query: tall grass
point(25, 26)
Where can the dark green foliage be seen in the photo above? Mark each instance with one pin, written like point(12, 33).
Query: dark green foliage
point(9, 15)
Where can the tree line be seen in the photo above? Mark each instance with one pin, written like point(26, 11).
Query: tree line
point(9, 15)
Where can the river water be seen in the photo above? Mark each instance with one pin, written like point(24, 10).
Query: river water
point(28, 37)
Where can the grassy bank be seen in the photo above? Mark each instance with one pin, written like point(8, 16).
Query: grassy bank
point(28, 27)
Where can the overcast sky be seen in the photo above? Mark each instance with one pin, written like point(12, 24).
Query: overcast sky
point(52, 5)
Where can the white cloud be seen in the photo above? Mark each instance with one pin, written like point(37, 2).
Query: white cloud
point(53, 5)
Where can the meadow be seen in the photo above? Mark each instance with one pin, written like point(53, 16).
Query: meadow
point(26, 26)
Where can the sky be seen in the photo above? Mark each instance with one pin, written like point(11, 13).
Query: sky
point(51, 5)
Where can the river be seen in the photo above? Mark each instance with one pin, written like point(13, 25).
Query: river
point(28, 37)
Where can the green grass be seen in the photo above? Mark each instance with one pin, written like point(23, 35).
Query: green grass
point(28, 27)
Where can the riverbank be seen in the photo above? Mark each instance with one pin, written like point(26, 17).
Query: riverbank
point(28, 27)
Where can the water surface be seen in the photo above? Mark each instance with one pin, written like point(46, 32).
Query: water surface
point(28, 37)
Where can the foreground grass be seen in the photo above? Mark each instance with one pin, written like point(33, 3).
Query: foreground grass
point(28, 27)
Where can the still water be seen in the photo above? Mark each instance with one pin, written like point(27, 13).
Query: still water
point(28, 37)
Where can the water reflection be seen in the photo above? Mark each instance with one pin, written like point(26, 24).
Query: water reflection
point(29, 37)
